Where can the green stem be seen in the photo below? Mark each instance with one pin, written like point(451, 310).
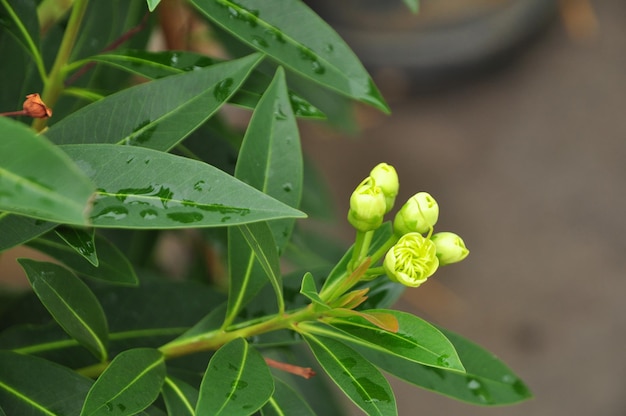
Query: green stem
point(361, 247)
point(378, 254)
point(34, 50)
point(215, 339)
point(53, 85)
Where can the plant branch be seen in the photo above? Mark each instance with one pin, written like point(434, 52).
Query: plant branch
point(113, 45)
point(305, 372)
point(53, 85)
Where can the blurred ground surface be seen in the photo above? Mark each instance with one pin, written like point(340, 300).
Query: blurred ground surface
point(529, 166)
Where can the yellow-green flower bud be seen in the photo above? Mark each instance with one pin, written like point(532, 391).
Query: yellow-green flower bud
point(386, 178)
point(419, 214)
point(412, 260)
point(367, 206)
point(450, 248)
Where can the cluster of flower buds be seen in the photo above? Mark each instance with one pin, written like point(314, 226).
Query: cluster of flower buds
point(417, 252)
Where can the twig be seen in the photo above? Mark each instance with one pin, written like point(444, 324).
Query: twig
point(305, 372)
point(113, 45)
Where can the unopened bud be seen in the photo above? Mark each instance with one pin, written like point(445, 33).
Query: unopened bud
point(34, 107)
point(386, 178)
point(419, 214)
point(450, 248)
point(367, 206)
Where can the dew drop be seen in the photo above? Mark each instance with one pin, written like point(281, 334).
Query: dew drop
point(130, 160)
point(223, 89)
point(442, 361)
point(259, 41)
point(317, 67)
point(149, 214)
point(185, 217)
point(287, 187)
point(114, 213)
point(239, 384)
point(279, 114)
point(275, 34)
point(329, 48)
point(199, 186)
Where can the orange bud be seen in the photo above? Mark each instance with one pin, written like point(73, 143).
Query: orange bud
point(34, 107)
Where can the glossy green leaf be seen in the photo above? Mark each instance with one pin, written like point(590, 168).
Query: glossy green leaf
point(129, 384)
point(155, 65)
point(17, 230)
point(237, 382)
point(246, 275)
point(144, 188)
point(152, 4)
point(286, 401)
point(416, 339)
point(309, 290)
point(354, 375)
point(72, 304)
point(36, 387)
point(81, 240)
point(157, 114)
point(180, 398)
point(113, 268)
point(487, 381)
point(270, 158)
point(314, 50)
point(39, 180)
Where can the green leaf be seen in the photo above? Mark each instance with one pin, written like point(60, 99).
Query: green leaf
point(314, 50)
point(20, 20)
point(286, 401)
point(71, 303)
point(144, 188)
point(39, 180)
point(81, 240)
point(180, 398)
point(33, 386)
point(413, 5)
point(17, 230)
point(155, 65)
point(270, 158)
point(157, 114)
point(260, 239)
point(354, 375)
point(237, 382)
point(309, 290)
point(152, 4)
point(113, 268)
point(416, 340)
point(487, 381)
point(129, 384)
point(179, 306)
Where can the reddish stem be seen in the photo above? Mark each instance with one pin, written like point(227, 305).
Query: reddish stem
point(305, 372)
point(14, 113)
point(113, 45)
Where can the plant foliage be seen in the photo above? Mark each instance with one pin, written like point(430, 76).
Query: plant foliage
point(138, 149)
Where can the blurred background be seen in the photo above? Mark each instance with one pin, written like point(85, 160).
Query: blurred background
point(512, 115)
